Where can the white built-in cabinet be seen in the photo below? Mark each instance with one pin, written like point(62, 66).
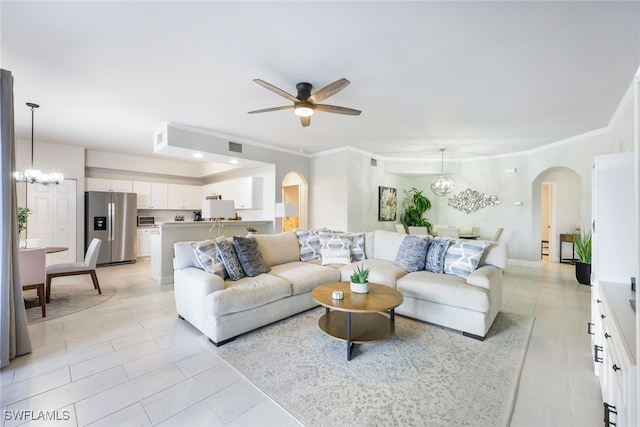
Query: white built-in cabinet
point(143, 248)
point(246, 192)
point(151, 195)
point(613, 327)
point(184, 196)
point(117, 185)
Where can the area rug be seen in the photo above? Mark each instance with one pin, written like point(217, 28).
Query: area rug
point(422, 376)
point(67, 298)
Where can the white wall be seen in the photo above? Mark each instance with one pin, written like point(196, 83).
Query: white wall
point(328, 191)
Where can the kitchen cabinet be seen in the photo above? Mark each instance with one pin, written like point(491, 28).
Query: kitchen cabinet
point(246, 193)
point(144, 241)
point(151, 195)
point(99, 184)
point(184, 197)
point(613, 324)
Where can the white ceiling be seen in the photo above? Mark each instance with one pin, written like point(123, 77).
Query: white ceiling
point(477, 78)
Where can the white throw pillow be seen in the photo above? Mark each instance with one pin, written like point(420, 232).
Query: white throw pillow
point(386, 244)
point(336, 256)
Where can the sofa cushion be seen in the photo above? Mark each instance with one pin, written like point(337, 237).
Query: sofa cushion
point(278, 248)
point(435, 255)
point(444, 289)
point(382, 272)
point(208, 257)
point(249, 256)
point(357, 246)
point(463, 256)
point(304, 276)
point(386, 244)
point(309, 245)
point(230, 260)
point(369, 238)
point(412, 253)
point(246, 293)
point(495, 254)
point(334, 241)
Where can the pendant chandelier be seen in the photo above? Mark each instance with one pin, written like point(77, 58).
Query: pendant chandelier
point(32, 175)
point(442, 185)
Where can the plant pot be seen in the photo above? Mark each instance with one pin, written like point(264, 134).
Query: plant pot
point(360, 288)
point(583, 273)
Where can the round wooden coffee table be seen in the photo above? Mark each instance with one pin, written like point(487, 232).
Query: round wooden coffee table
point(358, 318)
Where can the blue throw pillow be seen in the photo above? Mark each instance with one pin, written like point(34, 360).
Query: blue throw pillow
point(249, 256)
point(412, 253)
point(230, 260)
point(435, 255)
point(462, 258)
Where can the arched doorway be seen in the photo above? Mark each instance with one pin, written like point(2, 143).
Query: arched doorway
point(556, 201)
point(295, 190)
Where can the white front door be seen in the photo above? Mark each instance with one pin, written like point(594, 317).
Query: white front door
point(53, 218)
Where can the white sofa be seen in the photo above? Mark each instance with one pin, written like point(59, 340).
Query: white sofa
point(224, 309)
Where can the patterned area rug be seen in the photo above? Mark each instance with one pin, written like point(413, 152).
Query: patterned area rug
point(422, 376)
point(66, 298)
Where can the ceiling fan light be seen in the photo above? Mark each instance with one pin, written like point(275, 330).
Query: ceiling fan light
point(303, 111)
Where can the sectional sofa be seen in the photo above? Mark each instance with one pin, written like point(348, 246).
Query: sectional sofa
point(465, 296)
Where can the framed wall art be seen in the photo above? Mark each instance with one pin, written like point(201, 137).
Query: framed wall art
point(387, 203)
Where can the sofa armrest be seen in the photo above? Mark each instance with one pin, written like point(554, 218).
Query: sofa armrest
point(196, 282)
point(484, 276)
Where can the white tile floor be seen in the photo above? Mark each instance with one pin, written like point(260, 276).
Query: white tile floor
point(130, 361)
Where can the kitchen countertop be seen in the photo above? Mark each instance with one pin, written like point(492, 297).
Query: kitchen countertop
point(209, 223)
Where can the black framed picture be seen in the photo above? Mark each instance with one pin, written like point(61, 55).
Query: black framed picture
point(387, 203)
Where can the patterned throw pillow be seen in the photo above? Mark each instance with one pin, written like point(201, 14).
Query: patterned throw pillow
point(334, 241)
point(206, 253)
point(230, 260)
point(309, 243)
point(249, 256)
point(462, 258)
point(412, 254)
point(336, 256)
point(435, 255)
point(357, 246)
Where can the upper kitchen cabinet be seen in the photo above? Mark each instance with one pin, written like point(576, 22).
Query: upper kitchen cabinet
point(151, 195)
point(99, 184)
point(184, 197)
point(245, 192)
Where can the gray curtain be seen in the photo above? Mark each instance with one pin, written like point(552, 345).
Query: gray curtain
point(14, 333)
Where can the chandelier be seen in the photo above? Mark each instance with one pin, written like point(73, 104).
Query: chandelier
point(442, 185)
point(32, 175)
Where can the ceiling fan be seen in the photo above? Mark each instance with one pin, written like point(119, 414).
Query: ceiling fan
point(305, 103)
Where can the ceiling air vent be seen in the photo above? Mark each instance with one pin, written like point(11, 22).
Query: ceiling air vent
point(235, 147)
point(374, 163)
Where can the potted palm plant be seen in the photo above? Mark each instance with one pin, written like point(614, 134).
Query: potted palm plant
point(582, 243)
point(360, 280)
point(417, 204)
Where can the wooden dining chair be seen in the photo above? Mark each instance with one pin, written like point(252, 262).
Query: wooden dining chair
point(32, 273)
point(76, 268)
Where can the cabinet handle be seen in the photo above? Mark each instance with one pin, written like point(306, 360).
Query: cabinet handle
point(598, 301)
point(606, 335)
point(608, 410)
point(597, 349)
point(615, 368)
point(589, 326)
point(602, 316)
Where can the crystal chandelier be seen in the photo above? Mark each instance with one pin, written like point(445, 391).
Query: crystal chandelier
point(32, 175)
point(442, 185)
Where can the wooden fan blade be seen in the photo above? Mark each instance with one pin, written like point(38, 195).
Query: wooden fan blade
point(335, 109)
point(306, 121)
point(266, 110)
point(274, 89)
point(329, 90)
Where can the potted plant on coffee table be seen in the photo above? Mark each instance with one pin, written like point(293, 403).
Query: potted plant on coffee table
point(582, 243)
point(360, 280)
point(416, 205)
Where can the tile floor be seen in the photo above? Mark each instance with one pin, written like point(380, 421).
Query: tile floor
point(130, 361)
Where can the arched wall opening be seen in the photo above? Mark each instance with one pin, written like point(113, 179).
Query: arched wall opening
point(295, 189)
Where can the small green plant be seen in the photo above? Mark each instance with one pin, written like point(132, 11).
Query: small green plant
point(582, 243)
point(360, 275)
point(23, 215)
point(252, 229)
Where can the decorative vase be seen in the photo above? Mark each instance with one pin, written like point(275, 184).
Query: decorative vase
point(583, 273)
point(360, 288)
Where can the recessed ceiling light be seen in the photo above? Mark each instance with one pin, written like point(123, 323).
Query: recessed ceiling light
point(197, 155)
point(233, 161)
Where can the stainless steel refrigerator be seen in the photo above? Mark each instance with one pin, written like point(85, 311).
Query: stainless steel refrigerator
point(111, 217)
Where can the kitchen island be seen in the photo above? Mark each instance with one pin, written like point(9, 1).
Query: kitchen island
point(171, 232)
